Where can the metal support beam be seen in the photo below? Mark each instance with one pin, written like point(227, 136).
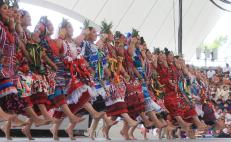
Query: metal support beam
point(180, 29)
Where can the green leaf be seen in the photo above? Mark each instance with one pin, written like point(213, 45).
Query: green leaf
point(105, 27)
point(135, 32)
point(86, 24)
point(117, 34)
point(216, 43)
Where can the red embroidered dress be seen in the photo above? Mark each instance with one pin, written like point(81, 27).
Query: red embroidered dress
point(39, 87)
point(189, 109)
point(57, 80)
point(134, 95)
point(7, 61)
point(81, 79)
point(171, 99)
point(9, 100)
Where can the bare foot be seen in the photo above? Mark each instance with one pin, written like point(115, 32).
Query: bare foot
point(54, 132)
point(169, 131)
point(149, 124)
point(92, 134)
point(126, 137)
point(26, 131)
point(51, 120)
point(131, 137)
point(202, 127)
point(186, 126)
point(98, 115)
point(160, 133)
point(19, 124)
point(76, 119)
point(145, 137)
point(105, 133)
point(69, 131)
point(161, 125)
point(7, 132)
point(187, 131)
point(133, 123)
point(40, 122)
point(192, 134)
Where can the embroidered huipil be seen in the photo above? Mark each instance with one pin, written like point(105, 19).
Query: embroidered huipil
point(7, 61)
point(80, 74)
point(98, 62)
point(60, 78)
point(150, 105)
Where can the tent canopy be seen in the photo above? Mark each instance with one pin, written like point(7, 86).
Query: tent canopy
point(157, 20)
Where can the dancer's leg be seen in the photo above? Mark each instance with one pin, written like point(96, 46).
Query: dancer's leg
point(6, 129)
point(72, 118)
point(124, 131)
point(147, 122)
point(45, 113)
point(153, 117)
point(35, 118)
point(92, 111)
point(199, 124)
point(131, 131)
point(54, 129)
point(129, 120)
point(69, 130)
point(26, 129)
point(92, 128)
point(6, 116)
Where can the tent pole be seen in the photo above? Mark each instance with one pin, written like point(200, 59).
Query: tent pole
point(180, 29)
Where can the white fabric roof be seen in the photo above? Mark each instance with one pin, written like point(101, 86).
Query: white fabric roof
point(153, 18)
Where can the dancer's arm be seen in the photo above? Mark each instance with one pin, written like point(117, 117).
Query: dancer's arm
point(24, 51)
point(49, 61)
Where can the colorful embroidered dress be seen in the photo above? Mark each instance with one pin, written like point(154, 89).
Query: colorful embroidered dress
point(57, 79)
point(9, 100)
point(81, 79)
point(150, 105)
point(98, 62)
point(134, 96)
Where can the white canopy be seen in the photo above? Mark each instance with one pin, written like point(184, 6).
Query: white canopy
point(153, 18)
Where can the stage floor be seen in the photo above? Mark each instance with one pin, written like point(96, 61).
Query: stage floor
point(115, 136)
point(119, 140)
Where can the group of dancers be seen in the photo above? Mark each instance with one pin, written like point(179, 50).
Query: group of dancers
point(116, 76)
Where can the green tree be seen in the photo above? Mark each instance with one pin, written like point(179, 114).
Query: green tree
point(216, 43)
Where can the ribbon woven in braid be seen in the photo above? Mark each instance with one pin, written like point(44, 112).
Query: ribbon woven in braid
point(36, 52)
point(113, 66)
point(100, 72)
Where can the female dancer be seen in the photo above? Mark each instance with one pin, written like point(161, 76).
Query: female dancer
point(43, 30)
point(37, 62)
point(156, 91)
point(98, 63)
point(115, 103)
point(183, 74)
point(150, 106)
point(11, 101)
point(134, 95)
point(171, 99)
point(79, 89)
